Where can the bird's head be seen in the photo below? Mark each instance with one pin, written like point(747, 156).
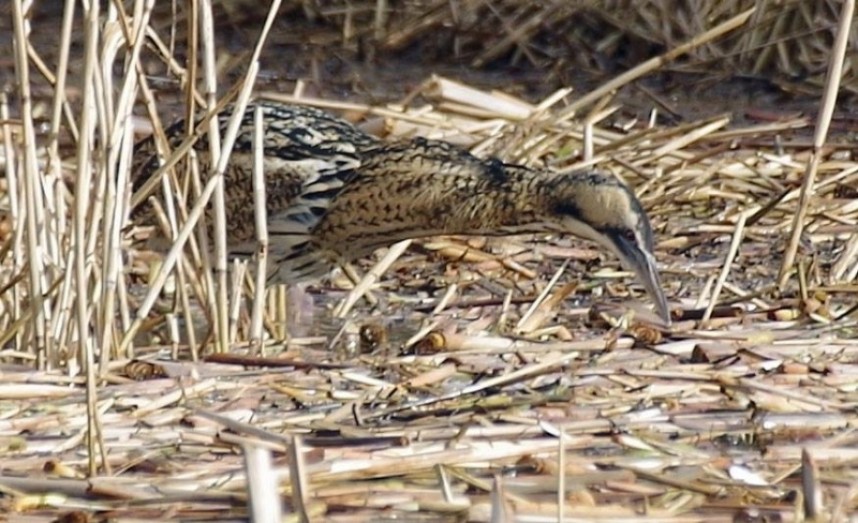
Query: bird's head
point(599, 207)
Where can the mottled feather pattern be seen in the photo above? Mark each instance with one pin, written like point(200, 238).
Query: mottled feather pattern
point(308, 157)
point(335, 193)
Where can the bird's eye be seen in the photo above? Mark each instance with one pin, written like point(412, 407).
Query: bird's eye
point(629, 235)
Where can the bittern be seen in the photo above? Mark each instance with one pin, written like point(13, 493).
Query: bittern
point(334, 193)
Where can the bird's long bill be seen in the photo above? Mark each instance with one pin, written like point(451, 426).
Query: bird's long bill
point(642, 263)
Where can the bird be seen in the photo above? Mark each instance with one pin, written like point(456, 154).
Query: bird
point(335, 193)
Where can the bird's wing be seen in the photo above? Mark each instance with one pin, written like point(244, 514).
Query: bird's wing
point(308, 155)
point(409, 189)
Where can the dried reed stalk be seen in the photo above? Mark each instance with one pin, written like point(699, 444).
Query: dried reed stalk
point(475, 401)
point(656, 63)
point(829, 97)
point(219, 154)
point(35, 208)
point(261, 484)
point(261, 232)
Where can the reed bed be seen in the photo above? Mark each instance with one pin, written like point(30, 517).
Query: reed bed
point(468, 379)
point(787, 43)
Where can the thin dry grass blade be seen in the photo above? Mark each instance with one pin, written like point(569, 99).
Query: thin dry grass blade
point(829, 97)
point(736, 241)
point(371, 278)
point(83, 179)
point(655, 63)
point(36, 238)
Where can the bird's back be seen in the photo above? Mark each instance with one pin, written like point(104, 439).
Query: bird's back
point(308, 156)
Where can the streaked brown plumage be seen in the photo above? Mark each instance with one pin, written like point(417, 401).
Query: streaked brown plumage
point(335, 193)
